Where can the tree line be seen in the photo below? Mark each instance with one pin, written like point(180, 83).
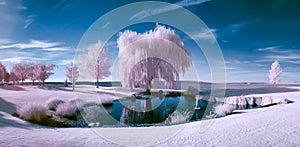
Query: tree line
point(96, 62)
point(26, 71)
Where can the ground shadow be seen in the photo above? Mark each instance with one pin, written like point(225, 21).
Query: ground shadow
point(9, 108)
point(12, 88)
point(57, 87)
point(233, 113)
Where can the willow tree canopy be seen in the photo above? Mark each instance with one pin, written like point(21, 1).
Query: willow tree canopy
point(157, 54)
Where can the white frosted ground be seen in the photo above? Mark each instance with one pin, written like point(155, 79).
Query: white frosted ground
point(271, 126)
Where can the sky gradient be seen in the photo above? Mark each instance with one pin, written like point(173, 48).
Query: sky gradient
point(251, 34)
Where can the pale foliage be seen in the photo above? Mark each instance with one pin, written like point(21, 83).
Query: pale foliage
point(53, 103)
point(97, 61)
point(33, 72)
point(13, 77)
point(33, 112)
point(45, 71)
point(21, 70)
point(223, 110)
point(72, 73)
point(178, 117)
point(2, 71)
point(67, 109)
point(275, 72)
point(154, 54)
point(192, 91)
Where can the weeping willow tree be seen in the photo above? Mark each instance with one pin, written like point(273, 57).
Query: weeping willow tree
point(155, 54)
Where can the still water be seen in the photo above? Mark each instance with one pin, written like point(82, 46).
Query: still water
point(150, 111)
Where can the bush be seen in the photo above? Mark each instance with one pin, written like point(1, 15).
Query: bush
point(33, 112)
point(192, 91)
point(66, 84)
point(178, 117)
point(67, 110)
point(53, 103)
point(223, 110)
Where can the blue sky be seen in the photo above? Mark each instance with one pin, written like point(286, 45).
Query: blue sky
point(251, 33)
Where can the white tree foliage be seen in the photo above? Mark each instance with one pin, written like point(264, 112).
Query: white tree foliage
point(275, 72)
point(97, 62)
point(2, 72)
point(21, 70)
point(155, 54)
point(72, 73)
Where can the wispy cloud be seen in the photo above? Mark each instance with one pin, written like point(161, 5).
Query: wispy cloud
point(151, 12)
point(105, 25)
point(29, 21)
point(57, 49)
point(275, 49)
point(208, 35)
point(5, 41)
point(21, 59)
point(32, 44)
point(65, 62)
point(21, 8)
point(2, 3)
point(278, 53)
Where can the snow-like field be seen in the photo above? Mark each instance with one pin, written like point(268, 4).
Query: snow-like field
point(270, 126)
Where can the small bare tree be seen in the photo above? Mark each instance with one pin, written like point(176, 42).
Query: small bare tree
point(72, 73)
point(275, 72)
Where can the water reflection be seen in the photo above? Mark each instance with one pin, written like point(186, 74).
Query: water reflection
point(155, 110)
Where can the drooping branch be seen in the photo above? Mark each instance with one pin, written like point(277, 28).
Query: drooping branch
point(141, 56)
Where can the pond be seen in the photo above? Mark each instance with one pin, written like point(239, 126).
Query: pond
point(149, 111)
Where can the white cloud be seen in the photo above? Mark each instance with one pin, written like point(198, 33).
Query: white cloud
point(32, 44)
point(276, 49)
point(278, 53)
point(21, 59)
point(271, 48)
point(5, 41)
point(29, 21)
point(2, 2)
point(187, 3)
point(104, 26)
point(21, 8)
point(208, 35)
point(65, 62)
point(57, 49)
point(151, 12)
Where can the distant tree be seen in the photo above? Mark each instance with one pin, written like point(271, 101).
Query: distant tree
point(21, 70)
point(45, 71)
point(97, 62)
point(66, 84)
point(13, 77)
point(2, 72)
point(72, 73)
point(7, 78)
point(275, 72)
point(33, 72)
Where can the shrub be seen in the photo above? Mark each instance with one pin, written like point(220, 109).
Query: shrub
point(223, 110)
point(33, 112)
point(178, 117)
point(53, 103)
point(192, 91)
point(67, 109)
